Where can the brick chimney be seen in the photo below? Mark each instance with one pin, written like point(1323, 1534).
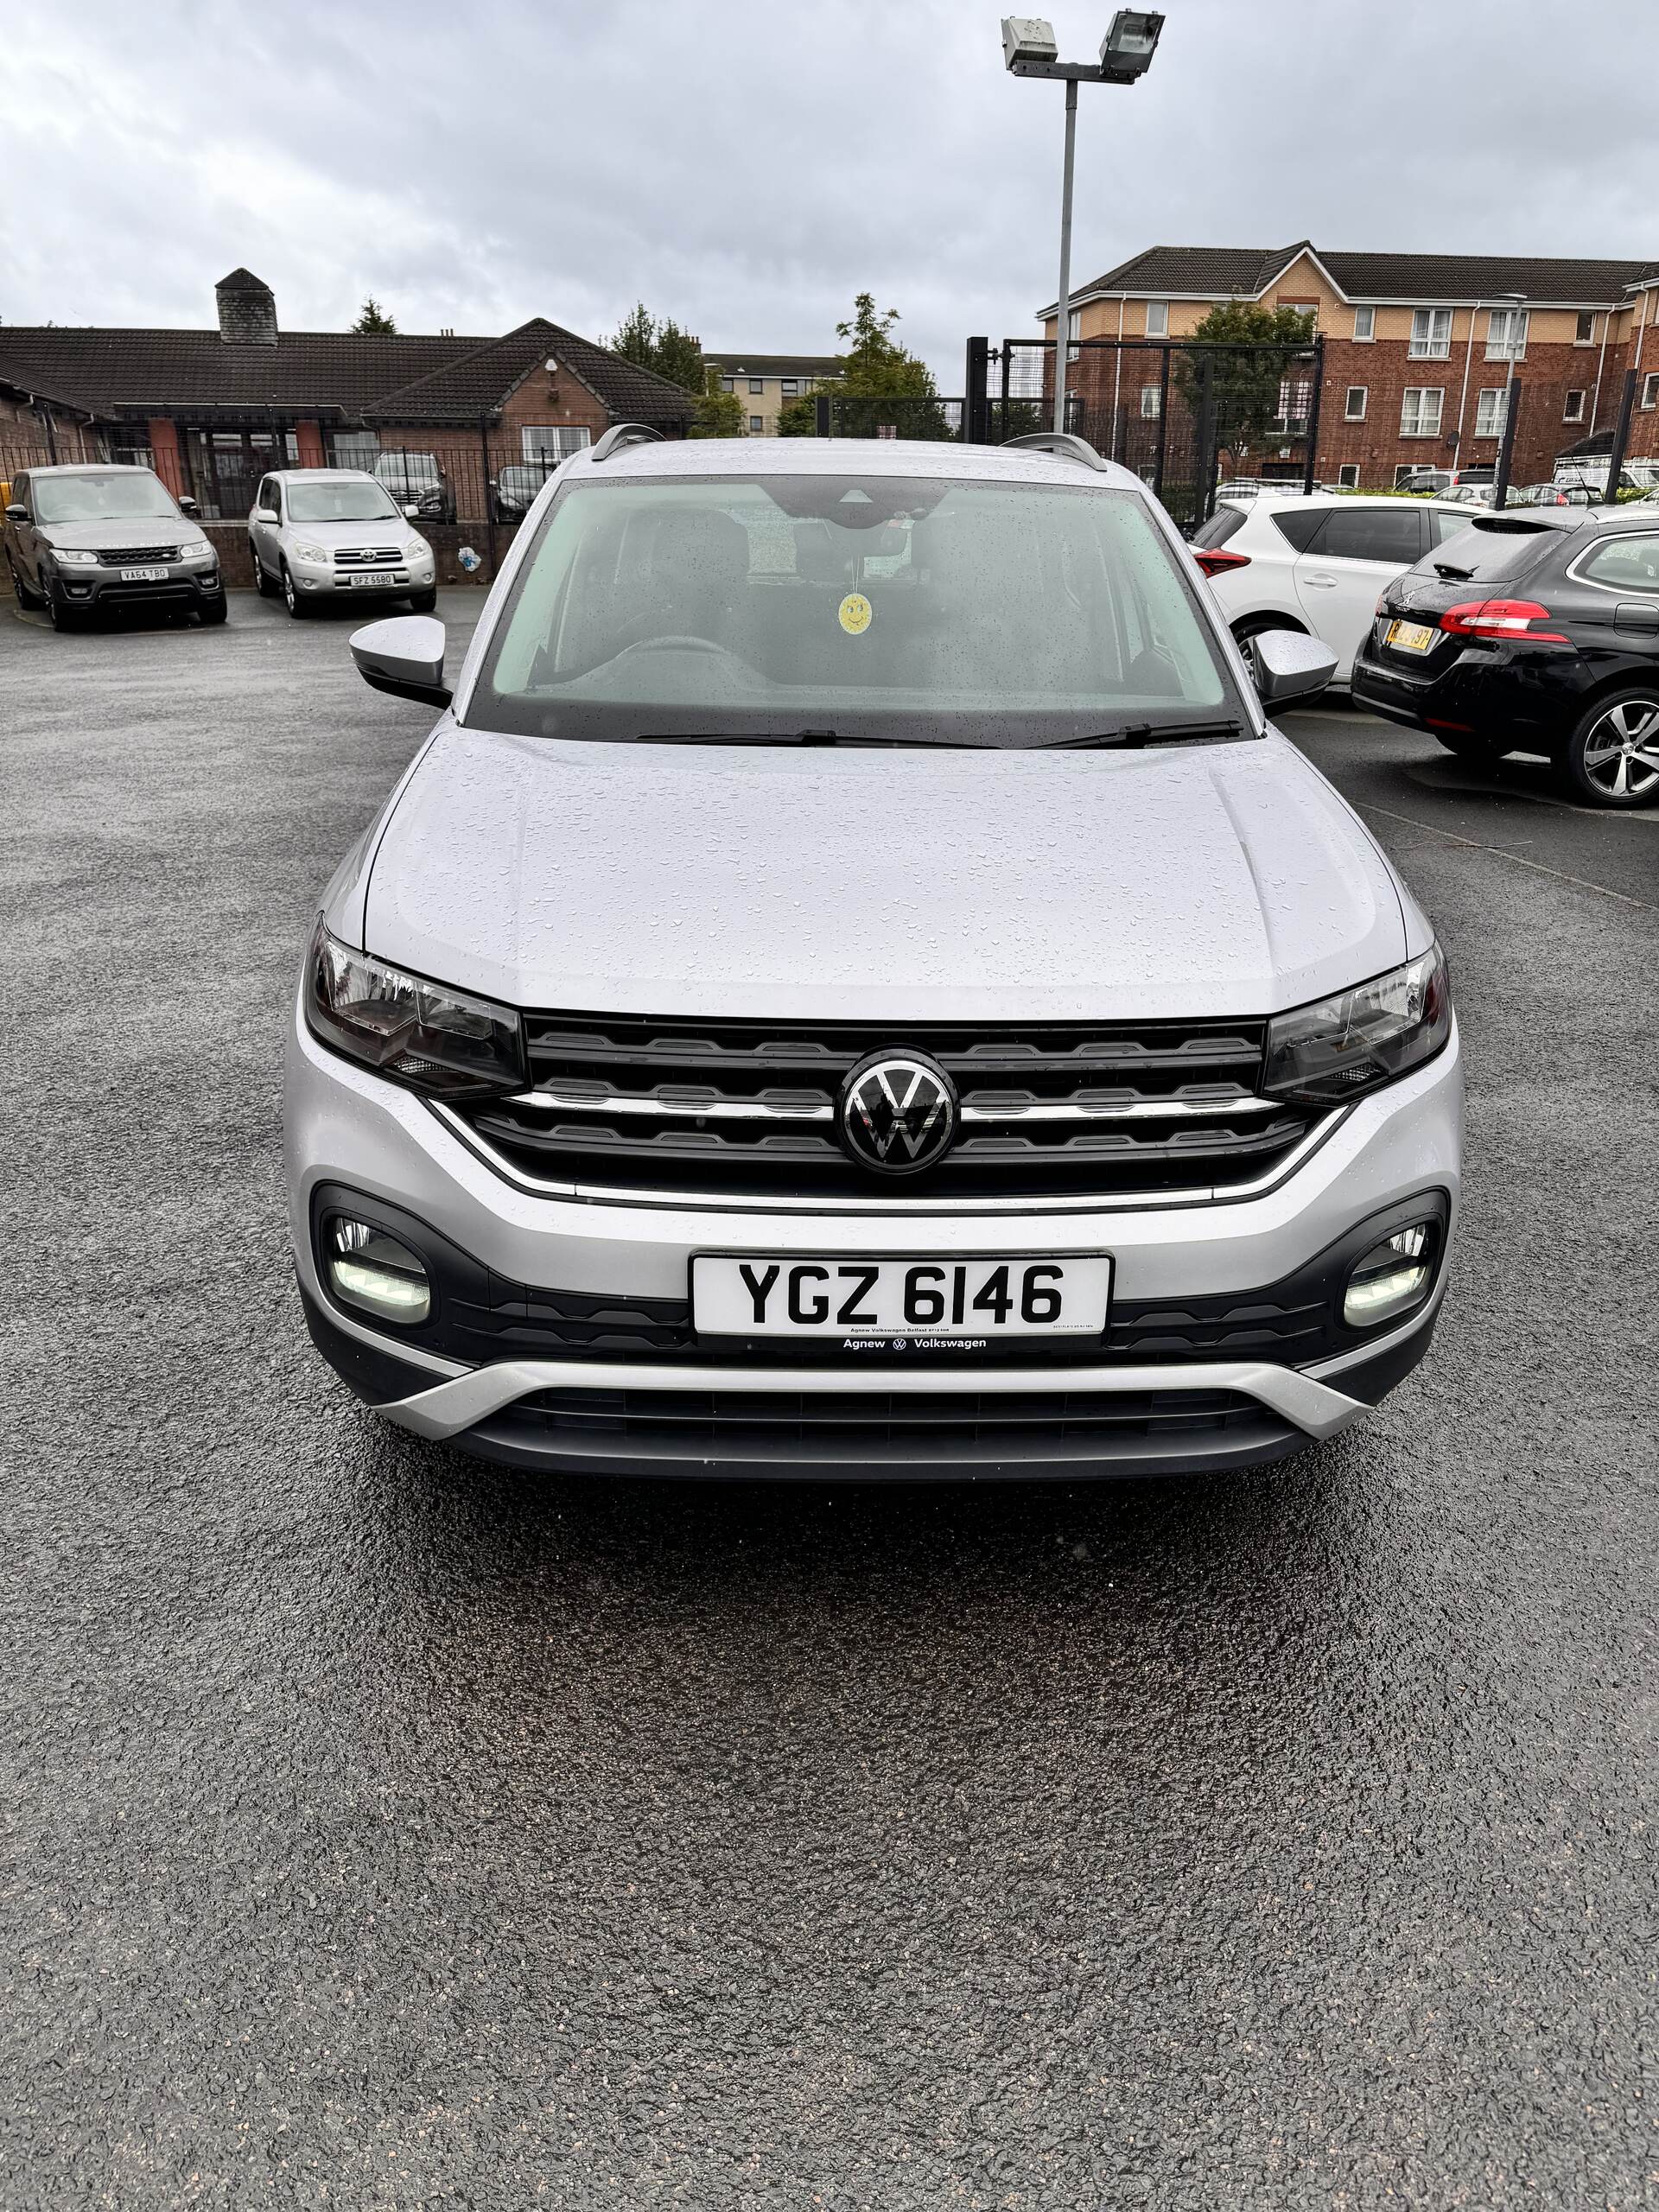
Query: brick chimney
point(247, 310)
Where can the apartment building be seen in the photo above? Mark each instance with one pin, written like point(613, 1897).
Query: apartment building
point(767, 382)
point(1417, 351)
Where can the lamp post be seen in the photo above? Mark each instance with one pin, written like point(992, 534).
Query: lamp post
point(1126, 52)
point(1516, 303)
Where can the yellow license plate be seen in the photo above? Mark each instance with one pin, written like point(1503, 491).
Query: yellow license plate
point(1410, 637)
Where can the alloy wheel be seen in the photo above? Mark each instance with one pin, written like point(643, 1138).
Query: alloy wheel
point(1621, 752)
point(290, 596)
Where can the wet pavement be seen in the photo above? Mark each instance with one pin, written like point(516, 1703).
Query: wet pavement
point(383, 1828)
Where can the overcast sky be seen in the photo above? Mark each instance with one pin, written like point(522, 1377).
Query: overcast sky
point(747, 169)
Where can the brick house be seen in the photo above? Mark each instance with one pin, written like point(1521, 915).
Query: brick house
point(767, 382)
point(1416, 351)
point(212, 409)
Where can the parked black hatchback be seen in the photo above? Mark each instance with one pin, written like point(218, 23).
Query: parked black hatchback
point(1535, 632)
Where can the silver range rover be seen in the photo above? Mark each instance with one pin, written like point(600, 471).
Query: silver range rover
point(854, 985)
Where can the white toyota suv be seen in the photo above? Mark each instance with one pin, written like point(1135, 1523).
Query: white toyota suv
point(321, 535)
point(853, 984)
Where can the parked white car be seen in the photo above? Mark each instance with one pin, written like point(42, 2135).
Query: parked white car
point(321, 535)
point(1316, 562)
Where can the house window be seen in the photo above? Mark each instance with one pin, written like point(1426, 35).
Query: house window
point(792, 387)
point(1506, 334)
point(554, 442)
point(1354, 410)
point(1348, 473)
point(1489, 413)
point(1431, 334)
point(1364, 325)
point(1420, 410)
point(1585, 333)
point(1295, 393)
point(1573, 410)
point(756, 383)
point(757, 423)
point(1651, 390)
point(1157, 318)
point(728, 384)
point(1152, 401)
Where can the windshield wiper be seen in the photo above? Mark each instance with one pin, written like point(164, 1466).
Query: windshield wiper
point(785, 737)
point(1135, 734)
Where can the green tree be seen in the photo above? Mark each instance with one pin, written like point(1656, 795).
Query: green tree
point(719, 412)
point(374, 320)
point(880, 385)
point(662, 347)
point(1251, 350)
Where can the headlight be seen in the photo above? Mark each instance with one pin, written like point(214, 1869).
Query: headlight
point(436, 1040)
point(1340, 1047)
point(314, 553)
point(197, 550)
point(66, 553)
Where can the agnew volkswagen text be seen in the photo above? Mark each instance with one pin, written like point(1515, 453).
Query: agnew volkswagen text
point(853, 984)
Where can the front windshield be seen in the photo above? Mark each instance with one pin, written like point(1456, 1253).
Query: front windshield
point(957, 611)
point(113, 495)
point(339, 502)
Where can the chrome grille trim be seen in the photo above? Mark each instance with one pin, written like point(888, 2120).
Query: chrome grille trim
point(370, 557)
point(663, 1107)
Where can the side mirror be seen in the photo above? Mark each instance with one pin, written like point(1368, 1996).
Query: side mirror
point(265, 514)
point(15, 511)
point(404, 655)
point(187, 504)
point(411, 514)
point(1287, 665)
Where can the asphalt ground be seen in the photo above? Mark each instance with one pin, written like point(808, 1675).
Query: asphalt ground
point(383, 1830)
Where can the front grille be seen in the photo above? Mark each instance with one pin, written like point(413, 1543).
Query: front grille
point(136, 556)
point(944, 1428)
point(750, 1108)
point(368, 557)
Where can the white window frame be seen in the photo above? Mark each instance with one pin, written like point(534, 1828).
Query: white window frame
point(1157, 318)
point(1348, 473)
point(1073, 332)
point(1404, 469)
point(1364, 325)
point(555, 441)
point(1349, 412)
point(1412, 421)
point(1585, 315)
point(1651, 390)
point(1430, 335)
point(1569, 412)
point(1500, 320)
point(1492, 405)
point(1152, 401)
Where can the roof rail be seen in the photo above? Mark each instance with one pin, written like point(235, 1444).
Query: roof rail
point(1065, 443)
point(620, 434)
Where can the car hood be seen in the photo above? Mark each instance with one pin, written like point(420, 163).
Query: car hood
point(137, 529)
point(378, 530)
point(994, 886)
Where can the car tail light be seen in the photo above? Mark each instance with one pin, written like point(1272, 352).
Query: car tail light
point(1500, 618)
point(1217, 563)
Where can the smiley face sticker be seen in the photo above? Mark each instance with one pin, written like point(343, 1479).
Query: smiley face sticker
point(854, 615)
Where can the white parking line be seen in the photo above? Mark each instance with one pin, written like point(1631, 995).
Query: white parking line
point(1504, 853)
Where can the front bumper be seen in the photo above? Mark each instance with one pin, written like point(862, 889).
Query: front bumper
point(627, 1386)
point(105, 590)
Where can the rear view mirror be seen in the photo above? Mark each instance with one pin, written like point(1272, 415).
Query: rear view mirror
point(404, 655)
point(265, 514)
point(1288, 665)
point(15, 511)
point(187, 504)
point(411, 514)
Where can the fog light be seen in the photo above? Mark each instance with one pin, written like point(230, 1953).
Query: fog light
point(366, 1267)
point(1393, 1276)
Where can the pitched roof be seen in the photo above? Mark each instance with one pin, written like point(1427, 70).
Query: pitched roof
point(736, 364)
point(1218, 272)
point(356, 374)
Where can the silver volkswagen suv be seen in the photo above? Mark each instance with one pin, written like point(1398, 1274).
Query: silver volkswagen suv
point(853, 984)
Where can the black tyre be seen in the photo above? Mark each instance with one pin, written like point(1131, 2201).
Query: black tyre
point(424, 601)
point(214, 610)
point(63, 616)
point(291, 599)
point(262, 583)
point(20, 589)
point(1612, 757)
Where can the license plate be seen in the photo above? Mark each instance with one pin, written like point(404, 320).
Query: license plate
point(143, 575)
point(916, 1300)
point(1410, 637)
point(376, 579)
